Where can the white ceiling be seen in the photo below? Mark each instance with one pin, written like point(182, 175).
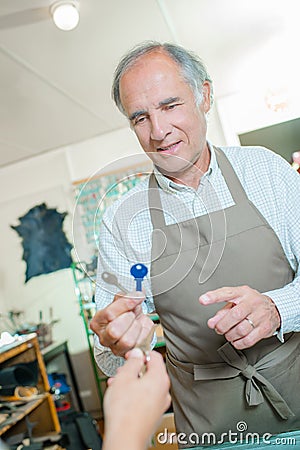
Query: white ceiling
point(55, 85)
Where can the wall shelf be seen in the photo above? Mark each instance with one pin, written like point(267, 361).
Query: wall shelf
point(41, 409)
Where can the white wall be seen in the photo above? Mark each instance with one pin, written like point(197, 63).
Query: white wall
point(87, 158)
point(215, 131)
point(23, 185)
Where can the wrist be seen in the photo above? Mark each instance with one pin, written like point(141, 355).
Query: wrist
point(276, 314)
point(124, 440)
point(124, 435)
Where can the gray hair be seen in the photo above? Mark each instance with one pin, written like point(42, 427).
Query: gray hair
point(192, 68)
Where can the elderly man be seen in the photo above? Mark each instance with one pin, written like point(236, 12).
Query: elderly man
point(218, 228)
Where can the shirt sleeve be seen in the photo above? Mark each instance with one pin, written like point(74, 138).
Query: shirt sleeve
point(287, 299)
point(109, 260)
point(112, 258)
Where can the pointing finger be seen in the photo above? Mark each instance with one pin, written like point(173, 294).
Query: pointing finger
point(224, 294)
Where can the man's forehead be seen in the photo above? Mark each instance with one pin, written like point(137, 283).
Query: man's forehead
point(152, 55)
point(156, 58)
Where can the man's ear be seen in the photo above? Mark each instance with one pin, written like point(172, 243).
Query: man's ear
point(206, 88)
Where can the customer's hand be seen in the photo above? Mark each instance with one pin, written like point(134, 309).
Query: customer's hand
point(122, 324)
point(247, 317)
point(133, 405)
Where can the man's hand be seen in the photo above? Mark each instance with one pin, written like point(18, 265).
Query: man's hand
point(122, 324)
point(247, 317)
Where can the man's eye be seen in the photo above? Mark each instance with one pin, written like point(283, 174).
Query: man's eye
point(172, 106)
point(139, 120)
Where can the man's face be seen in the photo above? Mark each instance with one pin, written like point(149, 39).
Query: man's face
point(161, 107)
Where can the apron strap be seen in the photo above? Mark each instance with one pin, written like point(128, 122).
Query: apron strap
point(235, 364)
point(255, 381)
point(155, 206)
point(233, 183)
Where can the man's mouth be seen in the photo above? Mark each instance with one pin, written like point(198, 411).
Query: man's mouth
point(169, 148)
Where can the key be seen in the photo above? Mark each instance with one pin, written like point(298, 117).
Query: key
point(110, 278)
point(145, 346)
point(139, 271)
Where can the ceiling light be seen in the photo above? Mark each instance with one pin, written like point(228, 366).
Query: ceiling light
point(65, 14)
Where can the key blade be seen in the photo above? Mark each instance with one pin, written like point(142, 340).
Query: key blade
point(145, 344)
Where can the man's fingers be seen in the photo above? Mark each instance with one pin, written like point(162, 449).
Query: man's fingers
point(145, 330)
point(127, 334)
point(233, 317)
point(248, 341)
point(112, 322)
point(224, 294)
point(212, 322)
point(135, 295)
point(248, 316)
point(120, 325)
point(122, 304)
point(119, 306)
point(242, 329)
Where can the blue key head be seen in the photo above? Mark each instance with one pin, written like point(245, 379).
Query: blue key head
point(139, 271)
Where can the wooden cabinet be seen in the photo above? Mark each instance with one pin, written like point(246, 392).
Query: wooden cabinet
point(41, 409)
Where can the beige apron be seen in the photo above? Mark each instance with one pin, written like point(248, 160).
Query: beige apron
point(215, 386)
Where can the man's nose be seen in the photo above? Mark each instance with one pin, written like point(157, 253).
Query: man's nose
point(160, 127)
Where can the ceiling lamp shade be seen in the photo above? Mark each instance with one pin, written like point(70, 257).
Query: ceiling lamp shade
point(65, 14)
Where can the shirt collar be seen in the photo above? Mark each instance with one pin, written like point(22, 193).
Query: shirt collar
point(170, 186)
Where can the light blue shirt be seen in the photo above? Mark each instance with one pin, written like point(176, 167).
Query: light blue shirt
point(125, 234)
